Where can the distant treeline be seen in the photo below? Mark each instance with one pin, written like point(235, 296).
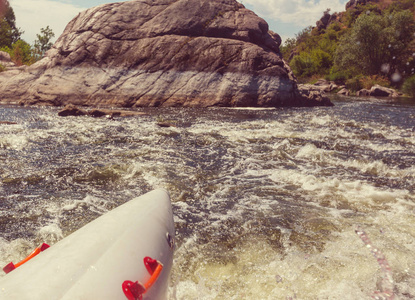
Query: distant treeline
point(365, 45)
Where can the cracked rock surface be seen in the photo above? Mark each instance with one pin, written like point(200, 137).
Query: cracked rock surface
point(197, 53)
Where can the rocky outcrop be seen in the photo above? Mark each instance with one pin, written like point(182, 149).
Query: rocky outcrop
point(6, 61)
point(161, 53)
point(327, 19)
point(381, 91)
point(326, 86)
point(378, 91)
point(363, 93)
point(344, 91)
point(71, 110)
point(309, 91)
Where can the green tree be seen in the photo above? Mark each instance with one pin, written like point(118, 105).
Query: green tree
point(9, 33)
point(377, 43)
point(303, 35)
point(409, 86)
point(43, 42)
point(314, 62)
point(288, 48)
point(21, 53)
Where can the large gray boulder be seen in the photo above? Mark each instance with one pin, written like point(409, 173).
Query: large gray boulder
point(161, 53)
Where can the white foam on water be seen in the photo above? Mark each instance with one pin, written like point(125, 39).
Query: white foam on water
point(92, 203)
point(260, 272)
point(50, 234)
point(345, 269)
point(282, 199)
point(14, 141)
point(354, 194)
point(312, 152)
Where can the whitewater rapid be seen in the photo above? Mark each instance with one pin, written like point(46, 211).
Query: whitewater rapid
point(301, 203)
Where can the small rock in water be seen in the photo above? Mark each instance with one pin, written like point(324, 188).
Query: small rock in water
point(71, 110)
point(165, 124)
point(96, 113)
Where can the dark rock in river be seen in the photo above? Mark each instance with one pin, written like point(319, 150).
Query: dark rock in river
point(165, 124)
point(378, 91)
point(71, 110)
point(101, 112)
point(381, 91)
point(196, 53)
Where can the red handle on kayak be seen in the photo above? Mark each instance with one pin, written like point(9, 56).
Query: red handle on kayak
point(135, 290)
point(10, 267)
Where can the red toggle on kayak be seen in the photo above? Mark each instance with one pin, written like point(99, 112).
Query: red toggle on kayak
point(135, 290)
point(10, 267)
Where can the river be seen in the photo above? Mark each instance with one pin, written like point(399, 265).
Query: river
point(290, 203)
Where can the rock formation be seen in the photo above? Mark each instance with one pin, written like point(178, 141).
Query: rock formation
point(378, 91)
point(6, 61)
point(162, 53)
point(327, 19)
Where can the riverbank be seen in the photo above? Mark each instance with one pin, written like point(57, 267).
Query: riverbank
point(332, 87)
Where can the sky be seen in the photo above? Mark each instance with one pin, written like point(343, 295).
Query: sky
point(285, 17)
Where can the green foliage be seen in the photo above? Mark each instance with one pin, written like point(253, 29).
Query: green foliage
point(303, 35)
point(409, 86)
point(20, 53)
point(287, 48)
point(372, 39)
point(369, 81)
point(338, 76)
point(354, 84)
point(352, 15)
point(2, 68)
point(43, 42)
point(315, 51)
point(6, 39)
point(377, 44)
point(306, 64)
point(9, 33)
point(401, 5)
point(303, 65)
point(365, 82)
